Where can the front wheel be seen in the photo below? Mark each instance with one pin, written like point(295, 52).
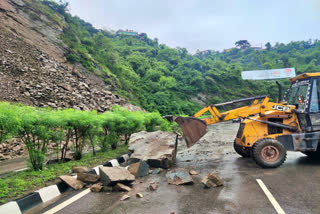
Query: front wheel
point(269, 153)
point(241, 150)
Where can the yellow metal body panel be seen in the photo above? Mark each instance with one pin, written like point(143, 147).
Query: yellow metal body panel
point(254, 130)
point(304, 76)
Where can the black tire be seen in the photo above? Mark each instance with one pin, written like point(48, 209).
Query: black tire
point(241, 150)
point(269, 153)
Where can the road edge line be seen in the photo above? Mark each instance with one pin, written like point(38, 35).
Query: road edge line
point(67, 202)
point(273, 201)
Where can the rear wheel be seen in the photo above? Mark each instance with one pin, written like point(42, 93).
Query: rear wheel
point(269, 153)
point(241, 150)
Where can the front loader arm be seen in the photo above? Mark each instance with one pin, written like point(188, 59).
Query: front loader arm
point(242, 112)
point(194, 128)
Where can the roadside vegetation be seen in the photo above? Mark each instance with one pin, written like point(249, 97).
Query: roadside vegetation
point(16, 184)
point(105, 135)
point(72, 129)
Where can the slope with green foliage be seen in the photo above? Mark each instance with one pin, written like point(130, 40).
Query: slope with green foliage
point(161, 78)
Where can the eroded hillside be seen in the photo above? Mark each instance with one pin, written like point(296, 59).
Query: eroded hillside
point(33, 69)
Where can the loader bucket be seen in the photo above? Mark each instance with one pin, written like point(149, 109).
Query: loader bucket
point(193, 129)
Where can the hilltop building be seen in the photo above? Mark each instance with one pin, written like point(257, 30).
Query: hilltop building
point(203, 53)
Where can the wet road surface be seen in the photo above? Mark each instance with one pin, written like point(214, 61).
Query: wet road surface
point(295, 185)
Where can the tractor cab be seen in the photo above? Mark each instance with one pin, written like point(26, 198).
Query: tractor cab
point(304, 93)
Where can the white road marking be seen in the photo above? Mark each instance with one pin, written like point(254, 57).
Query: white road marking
point(270, 197)
point(67, 202)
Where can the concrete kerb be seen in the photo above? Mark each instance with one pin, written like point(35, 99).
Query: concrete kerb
point(45, 194)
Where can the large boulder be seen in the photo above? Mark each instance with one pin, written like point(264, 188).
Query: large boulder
point(109, 176)
point(158, 148)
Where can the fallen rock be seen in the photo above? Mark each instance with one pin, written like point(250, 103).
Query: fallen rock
point(212, 180)
point(106, 189)
point(157, 148)
point(179, 176)
point(139, 195)
point(193, 172)
point(121, 187)
point(87, 177)
point(80, 169)
point(109, 176)
point(72, 182)
point(155, 171)
point(96, 187)
point(153, 187)
point(139, 169)
point(124, 197)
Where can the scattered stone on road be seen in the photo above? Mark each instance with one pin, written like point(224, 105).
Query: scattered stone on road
point(139, 169)
point(193, 172)
point(121, 187)
point(79, 169)
point(157, 148)
point(153, 187)
point(87, 177)
point(212, 180)
point(155, 171)
point(124, 197)
point(106, 189)
point(72, 182)
point(179, 176)
point(109, 176)
point(139, 195)
point(96, 187)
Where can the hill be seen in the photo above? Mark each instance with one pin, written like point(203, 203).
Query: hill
point(155, 76)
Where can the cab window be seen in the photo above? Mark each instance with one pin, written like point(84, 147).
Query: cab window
point(298, 95)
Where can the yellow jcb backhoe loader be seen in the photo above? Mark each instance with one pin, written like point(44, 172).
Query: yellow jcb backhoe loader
point(268, 130)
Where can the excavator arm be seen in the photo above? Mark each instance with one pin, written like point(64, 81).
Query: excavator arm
point(194, 128)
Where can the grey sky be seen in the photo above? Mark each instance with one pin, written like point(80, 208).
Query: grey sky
point(206, 24)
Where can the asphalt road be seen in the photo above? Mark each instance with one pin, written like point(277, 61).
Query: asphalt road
point(295, 185)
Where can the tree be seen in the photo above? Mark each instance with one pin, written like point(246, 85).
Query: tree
point(243, 44)
point(268, 46)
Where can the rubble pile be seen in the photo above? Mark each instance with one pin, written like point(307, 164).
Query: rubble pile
point(148, 149)
point(12, 149)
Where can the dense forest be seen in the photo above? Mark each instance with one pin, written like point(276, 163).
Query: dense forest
point(171, 80)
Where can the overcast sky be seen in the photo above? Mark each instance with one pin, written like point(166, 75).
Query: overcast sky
point(206, 24)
